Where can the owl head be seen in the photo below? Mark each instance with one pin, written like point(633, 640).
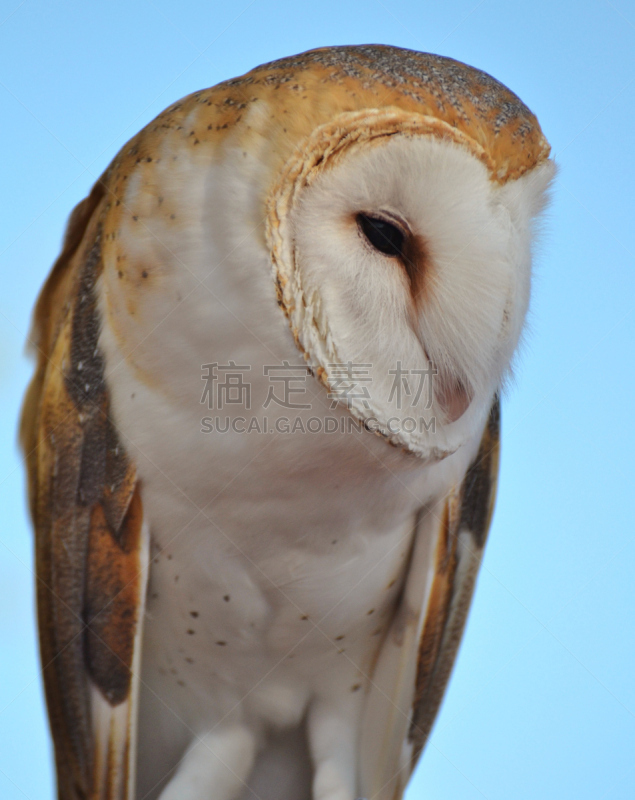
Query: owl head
point(390, 196)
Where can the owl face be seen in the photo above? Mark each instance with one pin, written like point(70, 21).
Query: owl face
point(404, 258)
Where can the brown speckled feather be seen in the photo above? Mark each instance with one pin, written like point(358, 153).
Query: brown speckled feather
point(87, 512)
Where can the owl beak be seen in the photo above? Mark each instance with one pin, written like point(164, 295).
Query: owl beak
point(453, 396)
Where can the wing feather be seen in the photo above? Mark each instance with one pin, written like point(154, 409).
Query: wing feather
point(416, 659)
point(91, 543)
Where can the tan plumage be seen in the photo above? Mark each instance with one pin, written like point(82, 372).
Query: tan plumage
point(88, 518)
point(303, 115)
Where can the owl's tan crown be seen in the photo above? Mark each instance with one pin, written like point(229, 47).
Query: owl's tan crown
point(305, 91)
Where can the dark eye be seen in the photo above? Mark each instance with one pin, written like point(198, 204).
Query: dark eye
point(382, 235)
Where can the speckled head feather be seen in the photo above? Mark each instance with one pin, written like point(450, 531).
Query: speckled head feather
point(305, 91)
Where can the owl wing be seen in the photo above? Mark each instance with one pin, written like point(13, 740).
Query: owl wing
point(91, 543)
point(416, 658)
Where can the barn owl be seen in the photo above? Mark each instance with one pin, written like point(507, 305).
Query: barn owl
point(262, 435)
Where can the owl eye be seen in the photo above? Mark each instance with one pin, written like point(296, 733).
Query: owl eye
point(383, 236)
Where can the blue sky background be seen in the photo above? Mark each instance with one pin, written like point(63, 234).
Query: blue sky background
point(542, 702)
